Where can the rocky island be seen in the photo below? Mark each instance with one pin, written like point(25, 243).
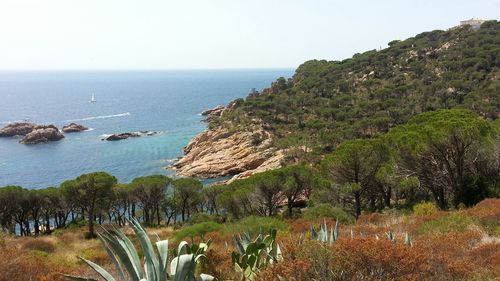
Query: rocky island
point(32, 133)
point(74, 128)
point(42, 134)
point(16, 129)
point(123, 136)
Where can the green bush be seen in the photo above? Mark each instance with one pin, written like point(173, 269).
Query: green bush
point(198, 230)
point(448, 224)
point(254, 224)
point(321, 211)
point(203, 217)
point(424, 208)
point(76, 224)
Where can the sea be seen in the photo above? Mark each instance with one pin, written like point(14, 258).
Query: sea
point(169, 102)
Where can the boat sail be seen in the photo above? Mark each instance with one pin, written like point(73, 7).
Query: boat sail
point(92, 100)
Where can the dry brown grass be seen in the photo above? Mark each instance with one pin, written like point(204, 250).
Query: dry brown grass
point(470, 254)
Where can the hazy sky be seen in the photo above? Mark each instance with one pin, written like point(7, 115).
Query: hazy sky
point(185, 34)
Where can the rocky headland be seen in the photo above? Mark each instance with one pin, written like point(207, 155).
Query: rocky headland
point(213, 113)
point(74, 128)
point(219, 152)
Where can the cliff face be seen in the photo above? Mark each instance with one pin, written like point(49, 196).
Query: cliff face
point(219, 152)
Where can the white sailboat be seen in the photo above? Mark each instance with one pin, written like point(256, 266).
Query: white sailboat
point(92, 100)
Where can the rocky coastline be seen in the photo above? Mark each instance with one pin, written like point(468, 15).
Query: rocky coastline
point(220, 152)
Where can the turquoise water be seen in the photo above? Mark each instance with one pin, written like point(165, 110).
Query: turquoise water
point(166, 101)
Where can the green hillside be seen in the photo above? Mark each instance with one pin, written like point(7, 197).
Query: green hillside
point(327, 102)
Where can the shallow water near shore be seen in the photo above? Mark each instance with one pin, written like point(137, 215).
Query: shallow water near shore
point(166, 101)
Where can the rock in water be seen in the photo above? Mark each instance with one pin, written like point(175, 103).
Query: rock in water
point(73, 128)
point(123, 136)
point(17, 129)
point(42, 134)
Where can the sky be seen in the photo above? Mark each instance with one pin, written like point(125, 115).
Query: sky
point(212, 34)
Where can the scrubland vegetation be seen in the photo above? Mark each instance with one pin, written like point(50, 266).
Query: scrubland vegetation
point(446, 245)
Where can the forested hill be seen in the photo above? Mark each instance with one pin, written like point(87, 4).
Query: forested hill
point(329, 101)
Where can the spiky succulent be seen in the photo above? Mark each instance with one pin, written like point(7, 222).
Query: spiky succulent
point(156, 267)
point(253, 255)
point(323, 235)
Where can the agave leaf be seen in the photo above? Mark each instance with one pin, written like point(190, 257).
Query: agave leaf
point(408, 240)
point(162, 247)
point(101, 271)
point(182, 267)
point(279, 254)
point(112, 255)
point(125, 251)
point(130, 251)
point(205, 277)
point(314, 233)
point(239, 244)
point(336, 230)
point(78, 278)
point(152, 264)
point(182, 248)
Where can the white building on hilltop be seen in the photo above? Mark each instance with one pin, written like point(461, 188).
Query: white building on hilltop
point(474, 23)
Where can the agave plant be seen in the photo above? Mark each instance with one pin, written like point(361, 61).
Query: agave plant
point(253, 255)
point(391, 236)
point(156, 266)
point(323, 235)
point(408, 241)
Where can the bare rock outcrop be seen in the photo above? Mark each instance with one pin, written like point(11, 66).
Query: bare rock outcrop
point(213, 113)
point(219, 152)
point(74, 128)
point(42, 134)
point(17, 129)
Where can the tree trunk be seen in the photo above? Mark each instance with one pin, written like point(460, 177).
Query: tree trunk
point(357, 202)
point(290, 206)
point(91, 222)
point(37, 227)
point(158, 213)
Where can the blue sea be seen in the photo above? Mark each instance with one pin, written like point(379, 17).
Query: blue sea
point(166, 101)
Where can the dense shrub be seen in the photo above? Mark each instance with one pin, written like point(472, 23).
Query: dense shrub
point(327, 211)
point(203, 217)
point(198, 230)
point(254, 225)
point(424, 208)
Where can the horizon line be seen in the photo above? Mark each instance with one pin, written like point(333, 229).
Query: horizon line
point(147, 69)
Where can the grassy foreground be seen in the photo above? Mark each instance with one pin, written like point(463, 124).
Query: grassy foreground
point(452, 245)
